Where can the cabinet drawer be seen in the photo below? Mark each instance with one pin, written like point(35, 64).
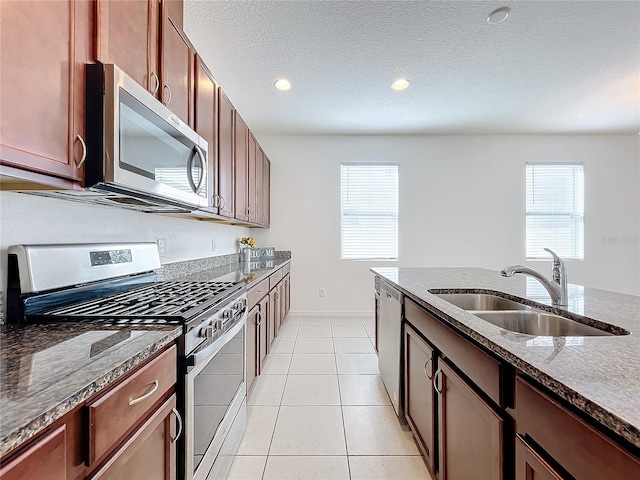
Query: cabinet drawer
point(275, 278)
point(478, 366)
point(45, 459)
point(582, 451)
point(286, 269)
point(257, 293)
point(117, 411)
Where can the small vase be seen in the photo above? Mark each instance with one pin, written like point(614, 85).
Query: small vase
point(245, 255)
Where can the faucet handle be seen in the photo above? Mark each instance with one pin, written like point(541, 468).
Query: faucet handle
point(558, 266)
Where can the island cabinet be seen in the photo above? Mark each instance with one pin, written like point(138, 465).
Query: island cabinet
point(128, 431)
point(553, 442)
point(43, 132)
point(455, 400)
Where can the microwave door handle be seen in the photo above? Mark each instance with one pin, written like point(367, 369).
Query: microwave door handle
point(203, 163)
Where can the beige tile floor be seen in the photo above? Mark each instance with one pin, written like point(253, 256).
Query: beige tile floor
point(321, 412)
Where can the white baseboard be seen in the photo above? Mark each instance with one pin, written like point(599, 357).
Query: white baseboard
point(324, 313)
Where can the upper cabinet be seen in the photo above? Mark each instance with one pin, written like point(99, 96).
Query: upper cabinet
point(226, 141)
point(176, 65)
point(43, 51)
point(241, 167)
point(127, 34)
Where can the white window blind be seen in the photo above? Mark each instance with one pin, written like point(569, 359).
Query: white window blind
point(555, 211)
point(369, 211)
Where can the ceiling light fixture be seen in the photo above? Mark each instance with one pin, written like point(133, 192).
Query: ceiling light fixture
point(282, 84)
point(498, 16)
point(400, 84)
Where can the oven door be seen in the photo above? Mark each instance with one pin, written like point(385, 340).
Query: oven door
point(215, 401)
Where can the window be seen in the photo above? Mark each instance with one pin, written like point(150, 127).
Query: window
point(555, 211)
point(369, 212)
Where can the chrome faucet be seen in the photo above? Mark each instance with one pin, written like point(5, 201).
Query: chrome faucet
point(557, 288)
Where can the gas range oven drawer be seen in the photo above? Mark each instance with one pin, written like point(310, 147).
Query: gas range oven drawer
point(119, 410)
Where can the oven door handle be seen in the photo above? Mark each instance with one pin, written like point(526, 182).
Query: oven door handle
point(203, 356)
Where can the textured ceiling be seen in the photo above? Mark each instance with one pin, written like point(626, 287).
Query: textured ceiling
point(551, 67)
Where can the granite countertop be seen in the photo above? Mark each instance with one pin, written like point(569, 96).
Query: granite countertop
point(47, 370)
point(599, 375)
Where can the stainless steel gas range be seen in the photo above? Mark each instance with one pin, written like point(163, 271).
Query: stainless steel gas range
point(117, 284)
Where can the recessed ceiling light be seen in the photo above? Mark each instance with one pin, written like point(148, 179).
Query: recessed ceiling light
point(400, 84)
point(282, 84)
point(498, 16)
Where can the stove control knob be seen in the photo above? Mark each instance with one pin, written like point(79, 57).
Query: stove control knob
point(228, 313)
point(207, 332)
point(240, 304)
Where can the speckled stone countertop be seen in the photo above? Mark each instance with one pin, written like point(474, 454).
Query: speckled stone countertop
point(600, 375)
point(47, 370)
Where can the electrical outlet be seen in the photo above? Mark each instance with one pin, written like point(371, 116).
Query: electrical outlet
point(162, 246)
point(323, 292)
point(213, 244)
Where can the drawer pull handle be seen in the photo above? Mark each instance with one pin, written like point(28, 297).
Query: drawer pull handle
point(146, 395)
point(426, 368)
point(435, 381)
point(179, 419)
point(259, 322)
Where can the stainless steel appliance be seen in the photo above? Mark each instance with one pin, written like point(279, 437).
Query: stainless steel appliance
point(115, 284)
point(389, 343)
point(138, 154)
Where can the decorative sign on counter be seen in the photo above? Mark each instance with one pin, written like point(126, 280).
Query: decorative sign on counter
point(263, 254)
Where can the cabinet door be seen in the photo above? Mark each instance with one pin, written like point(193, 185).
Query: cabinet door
point(45, 459)
point(263, 332)
point(252, 181)
point(251, 353)
point(469, 429)
point(278, 307)
point(225, 156)
point(530, 465)
point(259, 186)
point(150, 452)
point(127, 35)
point(266, 190)
point(177, 69)
point(241, 167)
point(44, 47)
point(206, 122)
point(287, 295)
point(419, 392)
point(271, 324)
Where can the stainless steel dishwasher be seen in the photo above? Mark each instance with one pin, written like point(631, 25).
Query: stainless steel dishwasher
point(389, 342)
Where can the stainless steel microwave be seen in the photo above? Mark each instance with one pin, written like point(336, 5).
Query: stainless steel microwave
point(139, 154)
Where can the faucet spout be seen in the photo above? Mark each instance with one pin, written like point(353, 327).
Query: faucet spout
point(557, 288)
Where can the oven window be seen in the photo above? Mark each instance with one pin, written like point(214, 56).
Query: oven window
point(149, 146)
point(214, 389)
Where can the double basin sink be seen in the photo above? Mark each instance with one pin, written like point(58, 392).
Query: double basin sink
point(521, 318)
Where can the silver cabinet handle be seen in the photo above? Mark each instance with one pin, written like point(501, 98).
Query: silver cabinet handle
point(168, 89)
point(435, 381)
point(426, 370)
point(179, 419)
point(216, 201)
point(84, 151)
point(260, 317)
point(224, 203)
point(155, 89)
point(203, 163)
point(146, 395)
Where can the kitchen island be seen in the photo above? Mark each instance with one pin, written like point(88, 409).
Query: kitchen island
point(595, 377)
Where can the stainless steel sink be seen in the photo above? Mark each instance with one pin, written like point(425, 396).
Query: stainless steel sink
point(540, 323)
point(481, 301)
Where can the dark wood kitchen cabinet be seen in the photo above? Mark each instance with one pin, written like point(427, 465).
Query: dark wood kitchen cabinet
point(206, 122)
point(252, 180)
point(226, 146)
point(127, 34)
point(150, 452)
point(241, 166)
point(469, 429)
point(530, 465)
point(177, 68)
point(44, 47)
point(286, 295)
point(266, 190)
point(45, 459)
point(419, 408)
point(263, 333)
point(251, 354)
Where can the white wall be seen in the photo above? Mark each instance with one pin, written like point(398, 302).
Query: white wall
point(461, 203)
point(26, 219)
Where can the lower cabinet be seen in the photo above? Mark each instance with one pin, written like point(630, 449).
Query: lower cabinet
point(251, 363)
point(470, 431)
point(530, 465)
point(263, 333)
point(149, 453)
point(419, 395)
point(45, 459)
